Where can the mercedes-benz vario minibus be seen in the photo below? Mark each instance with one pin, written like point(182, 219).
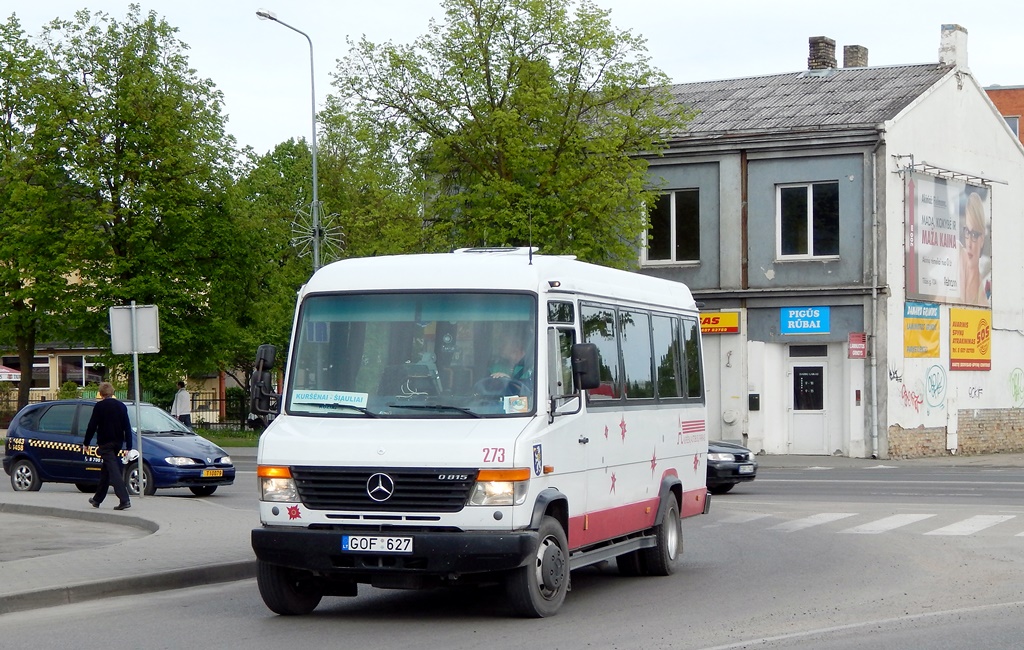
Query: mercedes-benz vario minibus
point(487, 415)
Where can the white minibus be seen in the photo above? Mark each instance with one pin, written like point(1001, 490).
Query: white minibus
point(487, 415)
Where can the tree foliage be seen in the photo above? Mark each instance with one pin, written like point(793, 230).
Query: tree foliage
point(45, 233)
point(114, 171)
point(145, 137)
point(375, 198)
point(525, 118)
point(264, 281)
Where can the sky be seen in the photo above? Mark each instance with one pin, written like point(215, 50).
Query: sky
point(263, 68)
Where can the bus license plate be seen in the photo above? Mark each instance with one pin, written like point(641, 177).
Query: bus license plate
point(212, 472)
point(746, 469)
point(376, 544)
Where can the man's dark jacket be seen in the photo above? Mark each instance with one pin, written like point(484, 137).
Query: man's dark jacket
point(110, 423)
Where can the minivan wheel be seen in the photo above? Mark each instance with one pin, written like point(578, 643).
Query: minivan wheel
point(25, 476)
point(131, 480)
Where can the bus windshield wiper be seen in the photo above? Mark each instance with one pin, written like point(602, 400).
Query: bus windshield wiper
point(437, 407)
point(363, 410)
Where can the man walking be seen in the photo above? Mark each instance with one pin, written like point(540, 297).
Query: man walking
point(110, 423)
point(181, 408)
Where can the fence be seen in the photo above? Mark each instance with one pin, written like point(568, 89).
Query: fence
point(209, 411)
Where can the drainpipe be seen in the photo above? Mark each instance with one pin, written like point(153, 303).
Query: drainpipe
point(874, 292)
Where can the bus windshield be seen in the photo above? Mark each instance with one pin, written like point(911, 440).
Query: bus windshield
point(415, 355)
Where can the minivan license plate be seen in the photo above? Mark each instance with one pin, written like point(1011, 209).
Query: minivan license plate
point(375, 544)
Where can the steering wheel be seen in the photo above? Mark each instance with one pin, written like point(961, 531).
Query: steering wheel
point(501, 386)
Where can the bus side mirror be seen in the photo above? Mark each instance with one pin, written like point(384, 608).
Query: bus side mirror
point(265, 355)
point(586, 365)
point(263, 399)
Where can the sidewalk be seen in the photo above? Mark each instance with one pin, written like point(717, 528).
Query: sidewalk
point(949, 460)
point(55, 549)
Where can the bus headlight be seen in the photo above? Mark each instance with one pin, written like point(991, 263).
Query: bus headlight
point(498, 487)
point(276, 484)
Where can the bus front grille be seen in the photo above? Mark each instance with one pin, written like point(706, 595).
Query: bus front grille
point(384, 489)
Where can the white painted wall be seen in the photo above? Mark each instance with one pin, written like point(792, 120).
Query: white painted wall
point(956, 127)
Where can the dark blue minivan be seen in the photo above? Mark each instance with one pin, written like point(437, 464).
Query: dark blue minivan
point(44, 444)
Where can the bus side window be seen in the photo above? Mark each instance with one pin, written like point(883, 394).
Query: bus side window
point(560, 343)
point(691, 348)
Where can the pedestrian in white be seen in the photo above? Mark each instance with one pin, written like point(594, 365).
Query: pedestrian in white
point(182, 406)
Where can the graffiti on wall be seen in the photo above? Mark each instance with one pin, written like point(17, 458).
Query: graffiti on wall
point(925, 395)
point(935, 386)
point(1017, 387)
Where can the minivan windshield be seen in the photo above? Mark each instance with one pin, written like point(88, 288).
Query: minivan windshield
point(415, 355)
point(156, 420)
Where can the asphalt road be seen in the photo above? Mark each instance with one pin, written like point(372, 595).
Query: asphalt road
point(826, 558)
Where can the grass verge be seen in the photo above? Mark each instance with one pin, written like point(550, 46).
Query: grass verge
point(230, 437)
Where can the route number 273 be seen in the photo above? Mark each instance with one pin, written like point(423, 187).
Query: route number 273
point(494, 454)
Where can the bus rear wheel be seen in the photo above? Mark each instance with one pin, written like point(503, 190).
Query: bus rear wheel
point(661, 559)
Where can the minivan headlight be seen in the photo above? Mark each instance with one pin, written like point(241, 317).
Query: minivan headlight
point(179, 461)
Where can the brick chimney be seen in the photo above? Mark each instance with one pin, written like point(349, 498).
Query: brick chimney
point(822, 53)
point(855, 56)
point(953, 46)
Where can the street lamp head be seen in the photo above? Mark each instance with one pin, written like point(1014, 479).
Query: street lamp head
point(265, 14)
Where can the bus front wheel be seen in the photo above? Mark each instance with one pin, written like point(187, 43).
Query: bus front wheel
point(538, 589)
point(286, 591)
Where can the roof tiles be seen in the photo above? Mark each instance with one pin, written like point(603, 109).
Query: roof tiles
point(837, 98)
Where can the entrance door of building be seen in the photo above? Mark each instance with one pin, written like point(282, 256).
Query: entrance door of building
point(808, 422)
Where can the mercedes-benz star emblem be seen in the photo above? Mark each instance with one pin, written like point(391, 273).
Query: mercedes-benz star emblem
point(380, 487)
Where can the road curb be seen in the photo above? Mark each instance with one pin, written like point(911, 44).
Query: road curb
point(90, 514)
point(126, 586)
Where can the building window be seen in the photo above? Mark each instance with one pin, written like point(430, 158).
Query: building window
point(40, 370)
point(81, 370)
point(674, 231)
point(808, 220)
point(1014, 122)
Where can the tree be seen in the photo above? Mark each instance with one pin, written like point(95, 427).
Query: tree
point(146, 137)
point(256, 299)
point(368, 185)
point(527, 118)
point(41, 208)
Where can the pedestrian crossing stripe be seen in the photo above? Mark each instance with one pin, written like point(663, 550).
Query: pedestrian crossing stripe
point(886, 524)
point(967, 526)
point(813, 520)
point(971, 525)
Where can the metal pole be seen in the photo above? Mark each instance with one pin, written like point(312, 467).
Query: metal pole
point(138, 398)
point(314, 209)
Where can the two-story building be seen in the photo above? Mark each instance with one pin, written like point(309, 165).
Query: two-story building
point(853, 234)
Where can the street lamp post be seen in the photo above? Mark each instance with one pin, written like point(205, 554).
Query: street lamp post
point(314, 210)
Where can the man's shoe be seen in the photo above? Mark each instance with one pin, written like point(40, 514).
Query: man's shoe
point(94, 503)
point(122, 506)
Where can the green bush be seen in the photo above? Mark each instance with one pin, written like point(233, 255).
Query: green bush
point(69, 390)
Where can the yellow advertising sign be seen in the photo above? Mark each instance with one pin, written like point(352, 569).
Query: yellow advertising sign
point(921, 330)
point(719, 322)
point(970, 339)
